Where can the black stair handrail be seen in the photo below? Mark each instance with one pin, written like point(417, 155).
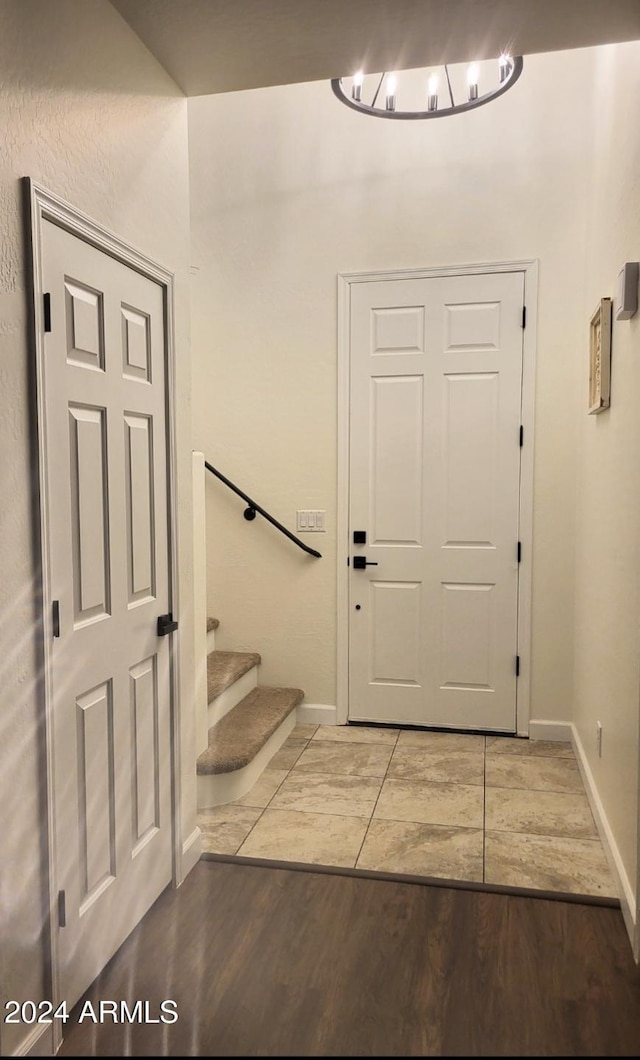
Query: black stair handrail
point(250, 512)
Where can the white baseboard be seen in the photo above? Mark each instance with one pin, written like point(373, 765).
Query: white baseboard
point(317, 714)
point(39, 1042)
point(625, 890)
point(550, 730)
point(191, 850)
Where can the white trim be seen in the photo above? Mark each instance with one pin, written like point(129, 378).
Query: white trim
point(166, 279)
point(557, 731)
point(342, 508)
point(191, 851)
point(317, 714)
point(529, 267)
point(42, 205)
point(525, 573)
point(217, 789)
point(625, 890)
point(200, 636)
point(34, 220)
point(39, 1042)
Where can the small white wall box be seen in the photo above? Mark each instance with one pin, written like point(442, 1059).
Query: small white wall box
point(627, 291)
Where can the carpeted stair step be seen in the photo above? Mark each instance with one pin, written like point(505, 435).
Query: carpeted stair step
point(212, 623)
point(235, 740)
point(225, 667)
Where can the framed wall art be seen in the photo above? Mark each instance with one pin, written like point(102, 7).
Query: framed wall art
point(600, 357)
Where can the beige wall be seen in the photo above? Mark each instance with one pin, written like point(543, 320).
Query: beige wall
point(289, 188)
point(87, 112)
point(607, 541)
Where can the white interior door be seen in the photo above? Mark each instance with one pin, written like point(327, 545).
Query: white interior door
point(106, 471)
point(435, 413)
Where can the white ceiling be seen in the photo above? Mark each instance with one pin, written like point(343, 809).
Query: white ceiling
point(223, 45)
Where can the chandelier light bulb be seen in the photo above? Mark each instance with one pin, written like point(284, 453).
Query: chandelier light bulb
point(472, 81)
point(391, 85)
point(504, 63)
point(356, 87)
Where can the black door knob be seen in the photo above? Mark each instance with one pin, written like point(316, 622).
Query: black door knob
point(360, 562)
point(166, 625)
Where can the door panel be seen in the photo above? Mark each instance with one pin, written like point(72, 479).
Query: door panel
point(145, 777)
point(139, 492)
point(468, 630)
point(85, 326)
point(395, 626)
point(396, 426)
point(470, 416)
point(436, 371)
point(89, 505)
point(96, 792)
point(105, 401)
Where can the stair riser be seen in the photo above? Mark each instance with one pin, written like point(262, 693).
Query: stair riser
point(219, 788)
point(231, 696)
point(211, 641)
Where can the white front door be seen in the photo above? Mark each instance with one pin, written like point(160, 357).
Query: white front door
point(105, 394)
point(435, 413)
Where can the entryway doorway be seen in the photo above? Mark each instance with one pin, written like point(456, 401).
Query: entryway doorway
point(435, 432)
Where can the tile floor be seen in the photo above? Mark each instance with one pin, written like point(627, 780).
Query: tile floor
point(464, 807)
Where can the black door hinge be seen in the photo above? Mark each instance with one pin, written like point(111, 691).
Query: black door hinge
point(521, 435)
point(517, 665)
point(55, 616)
point(519, 551)
point(524, 316)
point(62, 908)
point(46, 299)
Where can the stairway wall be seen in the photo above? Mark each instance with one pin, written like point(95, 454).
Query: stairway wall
point(289, 188)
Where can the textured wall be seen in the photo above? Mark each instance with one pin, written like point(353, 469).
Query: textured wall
point(288, 188)
point(86, 111)
point(608, 498)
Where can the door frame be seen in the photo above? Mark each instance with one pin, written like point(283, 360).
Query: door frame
point(42, 205)
point(529, 268)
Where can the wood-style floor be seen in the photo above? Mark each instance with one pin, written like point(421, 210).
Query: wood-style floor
point(266, 961)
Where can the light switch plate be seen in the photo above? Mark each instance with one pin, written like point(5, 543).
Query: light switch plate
point(311, 520)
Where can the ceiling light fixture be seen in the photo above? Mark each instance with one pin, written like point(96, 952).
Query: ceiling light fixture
point(503, 78)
